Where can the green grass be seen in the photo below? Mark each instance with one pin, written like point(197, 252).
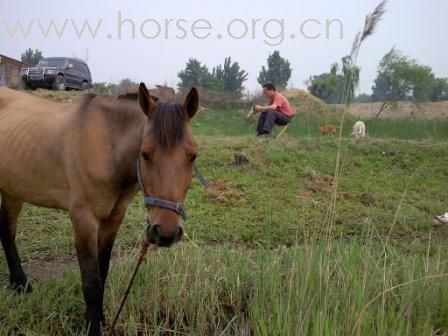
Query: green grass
point(262, 263)
point(308, 290)
point(220, 122)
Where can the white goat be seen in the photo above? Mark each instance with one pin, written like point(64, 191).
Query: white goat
point(359, 130)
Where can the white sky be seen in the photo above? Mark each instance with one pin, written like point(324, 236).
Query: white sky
point(418, 28)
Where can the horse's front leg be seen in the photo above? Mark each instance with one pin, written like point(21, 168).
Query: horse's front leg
point(86, 227)
point(109, 228)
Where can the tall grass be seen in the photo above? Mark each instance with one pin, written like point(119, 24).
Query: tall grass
point(305, 290)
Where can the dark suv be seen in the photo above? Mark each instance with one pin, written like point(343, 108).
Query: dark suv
point(58, 73)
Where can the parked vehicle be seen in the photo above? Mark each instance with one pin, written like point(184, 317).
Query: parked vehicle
point(58, 73)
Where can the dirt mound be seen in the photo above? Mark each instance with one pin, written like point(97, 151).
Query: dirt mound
point(319, 184)
point(401, 110)
point(225, 192)
point(304, 102)
point(301, 94)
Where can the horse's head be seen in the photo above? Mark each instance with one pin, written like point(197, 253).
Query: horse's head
point(167, 156)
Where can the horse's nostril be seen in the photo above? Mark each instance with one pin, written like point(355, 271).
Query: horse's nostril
point(180, 233)
point(156, 236)
point(154, 233)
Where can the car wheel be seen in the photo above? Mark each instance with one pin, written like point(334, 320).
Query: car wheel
point(28, 86)
point(85, 86)
point(59, 84)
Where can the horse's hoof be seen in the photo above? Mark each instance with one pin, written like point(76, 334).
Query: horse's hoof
point(94, 330)
point(21, 286)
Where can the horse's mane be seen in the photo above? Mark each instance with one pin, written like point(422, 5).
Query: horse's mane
point(134, 96)
point(168, 123)
point(167, 120)
point(129, 96)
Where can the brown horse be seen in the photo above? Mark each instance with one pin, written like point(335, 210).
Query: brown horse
point(82, 158)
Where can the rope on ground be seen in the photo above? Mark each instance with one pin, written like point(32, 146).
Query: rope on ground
point(141, 259)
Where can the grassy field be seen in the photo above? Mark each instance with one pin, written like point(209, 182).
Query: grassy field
point(306, 125)
point(261, 258)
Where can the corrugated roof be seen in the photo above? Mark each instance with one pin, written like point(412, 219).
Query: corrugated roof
point(14, 60)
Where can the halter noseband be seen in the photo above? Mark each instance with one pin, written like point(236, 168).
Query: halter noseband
point(160, 203)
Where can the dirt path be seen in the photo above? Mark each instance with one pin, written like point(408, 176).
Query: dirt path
point(41, 270)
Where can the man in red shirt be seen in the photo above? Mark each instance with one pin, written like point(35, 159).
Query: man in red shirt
point(278, 112)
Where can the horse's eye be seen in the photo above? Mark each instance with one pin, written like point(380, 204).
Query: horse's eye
point(146, 157)
point(193, 157)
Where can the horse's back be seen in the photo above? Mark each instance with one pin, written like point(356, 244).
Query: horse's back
point(32, 133)
point(17, 104)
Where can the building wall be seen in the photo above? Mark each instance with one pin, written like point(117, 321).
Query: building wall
point(2, 75)
point(9, 71)
point(12, 73)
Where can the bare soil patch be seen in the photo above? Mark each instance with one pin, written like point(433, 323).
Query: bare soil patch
point(225, 192)
point(320, 184)
point(41, 270)
point(401, 110)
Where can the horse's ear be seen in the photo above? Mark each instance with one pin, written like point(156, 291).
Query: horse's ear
point(191, 103)
point(146, 102)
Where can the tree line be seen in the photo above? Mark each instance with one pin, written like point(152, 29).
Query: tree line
point(399, 78)
point(229, 77)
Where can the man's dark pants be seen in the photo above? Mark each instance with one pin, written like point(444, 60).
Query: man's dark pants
point(270, 118)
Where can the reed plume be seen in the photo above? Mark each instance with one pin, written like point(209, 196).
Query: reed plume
point(370, 25)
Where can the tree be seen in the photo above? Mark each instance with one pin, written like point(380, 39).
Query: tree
point(325, 85)
point(196, 74)
point(332, 87)
point(362, 98)
point(401, 78)
point(349, 80)
point(227, 77)
point(103, 88)
point(423, 83)
point(440, 90)
point(32, 57)
point(127, 85)
point(278, 71)
point(230, 76)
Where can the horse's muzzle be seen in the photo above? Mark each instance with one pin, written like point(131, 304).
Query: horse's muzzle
point(157, 237)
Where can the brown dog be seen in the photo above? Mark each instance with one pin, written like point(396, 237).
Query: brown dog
point(328, 129)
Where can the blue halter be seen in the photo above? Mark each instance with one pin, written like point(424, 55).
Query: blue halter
point(160, 203)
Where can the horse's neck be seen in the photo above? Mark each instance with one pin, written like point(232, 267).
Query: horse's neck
point(126, 136)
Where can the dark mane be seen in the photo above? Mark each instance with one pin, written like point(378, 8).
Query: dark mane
point(86, 101)
point(134, 96)
point(129, 96)
point(168, 123)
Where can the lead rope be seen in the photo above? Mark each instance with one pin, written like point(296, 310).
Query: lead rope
point(145, 247)
point(141, 259)
point(201, 178)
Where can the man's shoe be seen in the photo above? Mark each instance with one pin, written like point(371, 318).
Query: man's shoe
point(442, 219)
point(264, 137)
